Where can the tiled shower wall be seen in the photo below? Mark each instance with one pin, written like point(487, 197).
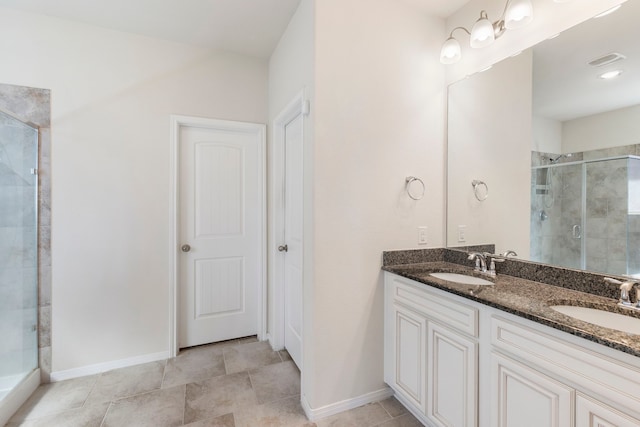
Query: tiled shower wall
point(32, 105)
point(612, 223)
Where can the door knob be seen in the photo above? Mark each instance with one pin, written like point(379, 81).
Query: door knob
point(283, 248)
point(185, 248)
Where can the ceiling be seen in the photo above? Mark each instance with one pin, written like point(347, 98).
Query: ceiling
point(566, 87)
point(249, 27)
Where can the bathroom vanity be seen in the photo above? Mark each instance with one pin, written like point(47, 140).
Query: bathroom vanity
point(498, 355)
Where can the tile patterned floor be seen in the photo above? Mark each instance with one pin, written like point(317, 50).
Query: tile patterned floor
point(239, 383)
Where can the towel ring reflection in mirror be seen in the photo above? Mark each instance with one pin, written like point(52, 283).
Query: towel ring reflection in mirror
point(414, 194)
point(480, 190)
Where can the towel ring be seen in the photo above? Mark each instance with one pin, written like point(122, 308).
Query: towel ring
point(477, 185)
point(410, 180)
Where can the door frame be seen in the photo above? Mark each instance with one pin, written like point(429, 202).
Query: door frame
point(176, 123)
point(298, 106)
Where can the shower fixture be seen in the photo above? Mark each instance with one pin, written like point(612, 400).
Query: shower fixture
point(557, 159)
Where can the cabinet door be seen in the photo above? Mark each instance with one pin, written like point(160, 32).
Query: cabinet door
point(591, 413)
point(524, 397)
point(452, 378)
point(410, 334)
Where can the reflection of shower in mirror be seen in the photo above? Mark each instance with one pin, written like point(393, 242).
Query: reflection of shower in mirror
point(560, 157)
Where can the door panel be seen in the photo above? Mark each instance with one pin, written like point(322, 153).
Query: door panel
point(221, 213)
point(293, 237)
point(452, 378)
point(526, 397)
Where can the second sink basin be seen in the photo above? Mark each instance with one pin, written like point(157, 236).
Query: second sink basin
point(461, 278)
point(602, 318)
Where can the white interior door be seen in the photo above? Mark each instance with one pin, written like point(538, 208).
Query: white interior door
point(220, 233)
point(293, 232)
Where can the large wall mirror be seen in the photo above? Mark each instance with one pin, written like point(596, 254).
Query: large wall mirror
point(544, 150)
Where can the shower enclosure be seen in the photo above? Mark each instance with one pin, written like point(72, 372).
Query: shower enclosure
point(18, 252)
point(586, 214)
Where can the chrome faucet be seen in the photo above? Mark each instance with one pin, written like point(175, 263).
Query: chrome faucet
point(625, 292)
point(481, 261)
point(492, 264)
point(508, 253)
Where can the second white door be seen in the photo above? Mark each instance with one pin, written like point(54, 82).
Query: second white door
point(293, 233)
point(221, 231)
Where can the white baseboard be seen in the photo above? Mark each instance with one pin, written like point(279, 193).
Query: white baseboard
point(344, 405)
point(107, 366)
point(16, 397)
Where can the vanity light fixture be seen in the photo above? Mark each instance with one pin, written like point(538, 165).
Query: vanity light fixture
point(610, 74)
point(516, 14)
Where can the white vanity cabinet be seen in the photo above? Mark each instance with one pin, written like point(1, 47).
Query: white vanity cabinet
point(591, 413)
point(431, 367)
point(455, 362)
point(524, 397)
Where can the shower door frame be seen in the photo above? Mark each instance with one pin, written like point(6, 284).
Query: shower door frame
point(583, 204)
point(33, 106)
point(21, 391)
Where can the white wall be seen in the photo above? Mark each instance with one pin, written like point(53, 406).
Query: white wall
point(547, 135)
point(379, 117)
point(112, 94)
point(494, 148)
point(606, 130)
point(291, 70)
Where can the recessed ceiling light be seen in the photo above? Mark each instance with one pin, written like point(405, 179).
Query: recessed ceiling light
point(606, 12)
point(610, 74)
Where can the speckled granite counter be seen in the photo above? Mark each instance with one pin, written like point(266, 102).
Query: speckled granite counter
point(519, 296)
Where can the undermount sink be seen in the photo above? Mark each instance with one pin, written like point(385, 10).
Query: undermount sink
point(461, 278)
point(602, 318)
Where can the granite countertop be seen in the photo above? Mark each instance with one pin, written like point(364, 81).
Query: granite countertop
point(528, 299)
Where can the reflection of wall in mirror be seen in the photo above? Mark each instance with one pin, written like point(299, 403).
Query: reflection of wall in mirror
point(610, 129)
point(494, 148)
point(599, 131)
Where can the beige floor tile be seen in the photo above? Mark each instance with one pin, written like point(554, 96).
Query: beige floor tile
point(160, 408)
point(281, 413)
point(194, 364)
point(393, 407)
point(284, 355)
point(227, 420)
point(246, 340)
point(243, 357)
point(56, 397)
point(218, 396)
point(275, 382)
point(126, 382)
point(406, 420)
point(86, 416)
point(369, 415)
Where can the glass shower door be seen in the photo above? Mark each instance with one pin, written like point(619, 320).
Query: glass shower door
point(18, 252)
point(557, 215)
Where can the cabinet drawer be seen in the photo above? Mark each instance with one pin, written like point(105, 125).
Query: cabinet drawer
point(444, 309)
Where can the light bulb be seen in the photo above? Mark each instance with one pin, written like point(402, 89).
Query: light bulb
point(451, 52)
point(482, 33)
point(519, 13)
